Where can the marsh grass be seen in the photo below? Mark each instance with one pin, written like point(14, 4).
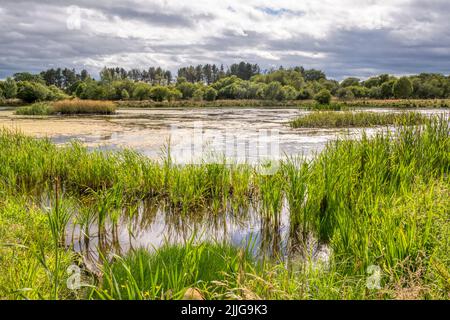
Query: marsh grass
point(170, 270)
point(375, 201)
point(330, 119)
point(68, 107)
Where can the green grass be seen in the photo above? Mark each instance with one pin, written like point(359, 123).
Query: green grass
point(330, 119)
point(308, 104)
point(172, 269)
point(36, 109)
point(375, 201)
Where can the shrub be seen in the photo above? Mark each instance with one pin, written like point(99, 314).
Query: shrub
point(9, 88)
point(175, 94)
point(323, 96)
point(273, 91)
point(198, 95)
point(402, 88)
point(124, 95)
point(345, 94)
point(187, 89)
point(289, 93)
point(56, 94)
point(210, 94)
point(386, 89)
point(305, 94)
point(142, 91)
point(159, 93)
point(80, 89)
point(32, 91)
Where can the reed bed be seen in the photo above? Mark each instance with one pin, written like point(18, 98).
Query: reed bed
point(380, 201)
point(330, 119)
point(68, 107)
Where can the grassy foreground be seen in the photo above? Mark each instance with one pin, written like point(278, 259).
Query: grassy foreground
point(332, 119)
point(377, 203)
point(68, 107)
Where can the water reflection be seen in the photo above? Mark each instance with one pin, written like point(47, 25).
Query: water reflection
point(152, 223)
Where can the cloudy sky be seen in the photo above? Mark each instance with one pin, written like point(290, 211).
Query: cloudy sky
point(341, 37)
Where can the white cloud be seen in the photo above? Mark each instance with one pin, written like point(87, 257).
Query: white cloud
point(138, 33)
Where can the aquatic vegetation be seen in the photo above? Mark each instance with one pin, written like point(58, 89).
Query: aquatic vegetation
point(68, 107)
point(329, 119)
point(171, 270)
point(36, 109)
point(76, 106)
point(374, 202)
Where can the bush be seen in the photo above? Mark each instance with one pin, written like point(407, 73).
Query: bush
point(345, 94)
point(8, 89)
point(289, 93)
point(386, 89)
point(159, 93)
point(142, 91)
point(56, 94)
point(402, 88)
point(210, 94)
point(80, 90)
point(273, 91)
point(323, 96)
point(305, 94)
point(187, 89)
point(175, 94)
point(198, 95)
point(124, 95)
point(32, 91)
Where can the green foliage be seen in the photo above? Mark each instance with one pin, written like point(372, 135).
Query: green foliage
point(142, 91)
point(171, 270)
point(36, 109)
point(187, 89)
point(32, 91)
point(124, 95)
point(345, 94)
point(274, 91)
point(160, 93)
point(210, 94)
point(175, 94)
point(323, 97)
point(8, 88)
point(350, 82)
point(198, 95)
point(289, 93)
point(332, 119)
point(28, 77)
point(372, 201)
point(56, 94)
point(387, 89)
point(402, 88)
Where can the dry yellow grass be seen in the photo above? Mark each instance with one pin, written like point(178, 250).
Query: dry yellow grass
point(83, 106)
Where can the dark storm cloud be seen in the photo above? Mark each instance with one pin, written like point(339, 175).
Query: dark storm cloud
point(35, 37)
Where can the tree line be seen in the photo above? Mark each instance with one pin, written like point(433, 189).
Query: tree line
point(209, 82)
